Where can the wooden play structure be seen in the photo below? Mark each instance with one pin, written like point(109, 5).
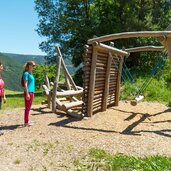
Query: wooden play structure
point(102, 70)
point(63, 97)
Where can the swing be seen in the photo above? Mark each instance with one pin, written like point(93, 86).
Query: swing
point(126, 75)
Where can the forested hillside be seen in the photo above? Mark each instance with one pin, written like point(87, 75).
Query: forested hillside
point(11, 73)
point(13, 67)
point(39, 59)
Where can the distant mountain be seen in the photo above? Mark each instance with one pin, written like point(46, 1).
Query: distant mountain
point(22, 59)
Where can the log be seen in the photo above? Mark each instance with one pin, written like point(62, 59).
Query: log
point(125, 35)
point(92, 82)
point(68, 93)
point(145, 48)
point(55, 87)
point(74, 114)
point(117, 92)
point(46, 79)
point(48, 86)
point(111, 49)
point(67, 106)
point(106, 88)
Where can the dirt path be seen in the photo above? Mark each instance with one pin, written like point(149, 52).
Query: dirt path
point(55, 141)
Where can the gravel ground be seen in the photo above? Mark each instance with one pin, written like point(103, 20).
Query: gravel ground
point(55, 140)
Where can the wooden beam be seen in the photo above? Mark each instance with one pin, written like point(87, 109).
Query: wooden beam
point(106, 87)
point(145, 48)
point(48, 86)
point(55, 87)
point(92, 82)
point(111, 49)
point(125, 35)
point(117, 92)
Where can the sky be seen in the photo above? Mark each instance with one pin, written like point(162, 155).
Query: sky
point(18, 22)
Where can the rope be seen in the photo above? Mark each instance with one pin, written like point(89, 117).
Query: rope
point(130, 78)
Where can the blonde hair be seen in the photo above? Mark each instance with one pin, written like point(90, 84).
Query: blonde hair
point(26, 66)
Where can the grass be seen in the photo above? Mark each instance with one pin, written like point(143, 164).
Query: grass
point(15, 99)
point(17, 161)
point(101, 160)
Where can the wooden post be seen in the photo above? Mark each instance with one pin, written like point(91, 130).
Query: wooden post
point(107, 80)
point(48, 86)
point(65, 69)
point(56, 84)
point(117, 92)
point(46, 79)
point(92, 82)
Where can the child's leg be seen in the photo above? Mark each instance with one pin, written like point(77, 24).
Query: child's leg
point(28, 104)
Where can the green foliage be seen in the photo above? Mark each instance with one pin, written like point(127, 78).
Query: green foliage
point(39, 76)
point(71, 23)
point(101, 160)
point(78, 77)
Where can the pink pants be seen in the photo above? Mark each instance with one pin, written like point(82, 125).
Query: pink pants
point(28, 104)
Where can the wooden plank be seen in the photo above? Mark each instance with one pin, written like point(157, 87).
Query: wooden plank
point(106, 88)
point(92, 83)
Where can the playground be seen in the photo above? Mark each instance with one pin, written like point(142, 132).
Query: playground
point(55, 140)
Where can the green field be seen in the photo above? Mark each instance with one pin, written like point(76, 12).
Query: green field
point(15, 99)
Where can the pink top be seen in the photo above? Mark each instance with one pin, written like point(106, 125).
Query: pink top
point(1, 87)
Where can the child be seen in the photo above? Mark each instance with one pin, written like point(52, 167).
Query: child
point(29, 89)
point(2, 91)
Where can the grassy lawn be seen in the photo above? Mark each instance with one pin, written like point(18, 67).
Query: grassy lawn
point(15, 99)
point(101, 160)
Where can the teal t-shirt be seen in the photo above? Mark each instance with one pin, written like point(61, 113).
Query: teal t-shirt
point(31, 81)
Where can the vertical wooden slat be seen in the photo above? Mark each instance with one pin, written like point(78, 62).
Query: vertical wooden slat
point(92, 82)
point(107, 79)
point(117, 92)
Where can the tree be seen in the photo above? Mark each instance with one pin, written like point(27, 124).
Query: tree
point(70, 23)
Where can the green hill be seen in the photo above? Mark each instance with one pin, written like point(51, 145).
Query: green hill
point(22, 59)
point(11, 73)
point(13, 67)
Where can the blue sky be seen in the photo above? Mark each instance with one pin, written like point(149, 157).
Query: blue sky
point(18, 22)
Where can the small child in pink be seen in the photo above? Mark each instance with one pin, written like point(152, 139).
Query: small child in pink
point(2, 92)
